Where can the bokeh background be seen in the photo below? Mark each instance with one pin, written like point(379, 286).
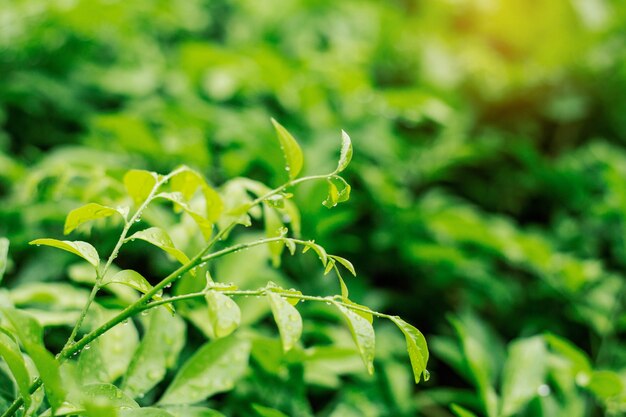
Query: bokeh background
point(489, 174)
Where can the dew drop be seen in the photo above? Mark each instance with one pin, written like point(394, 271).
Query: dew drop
point(426, 375)
point(87, 347)
point(543, 390)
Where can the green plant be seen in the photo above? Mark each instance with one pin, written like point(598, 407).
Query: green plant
point(109, 383)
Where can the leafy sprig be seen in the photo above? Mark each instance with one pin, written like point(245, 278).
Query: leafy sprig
point(215, 217)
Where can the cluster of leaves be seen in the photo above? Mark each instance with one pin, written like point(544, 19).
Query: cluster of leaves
point(489, 175)
point(113, 368)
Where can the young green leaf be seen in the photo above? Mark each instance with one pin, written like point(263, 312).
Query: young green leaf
point(159, 238)
point(338, 191)
point(205, 226)
point(130, 278)
point(417, 348)
point(214, 203)
point(109, 355)
point(106, 394)
point(346, 152)
point(139, 184)
point(346, 263)
point(135, 280)
point(86, 213)
point(77, 247)
point(524, 371)
point(30, 334)
point(161, 344)
point(329, 266)
point(579, 362)
point(213, 368)
point(287, 319)
point(342, 284)
point(291, 150)
point(333, 195)
point(187, 181)
point(10, 352)
point(362, 334)
point(224, 313)
point(4, 256)
point(319, 250)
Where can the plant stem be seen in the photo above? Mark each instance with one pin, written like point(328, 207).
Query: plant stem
point(20, 401)
point(114, 253)
point(263, 291)
point(71, 348)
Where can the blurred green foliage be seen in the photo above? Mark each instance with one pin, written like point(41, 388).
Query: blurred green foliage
point(489, 193)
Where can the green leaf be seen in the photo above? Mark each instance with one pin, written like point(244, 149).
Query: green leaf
point(139, 184)
point(274, 227)
point(524, 371)
point(224, 313)
point(77, 247)
point(461, 412)
point(291, 295)
point(214, 203)
point(159, 238)
point(267, 412)
point(338, 191)
point(581, 367)
point(416, 346)
point(187, 181)
point(145, 412)
point(161, 344)
point(4, 256)
point(346, 263)
point(319, 250)
point(291, 150)
point(346, 152)
point(342, 284)
point(88, 212)
point(213, 368)
point(291, 245)
point(205, 226)
point(106, 394)
point(30, 334)
point(109, 356)
point(287, 319)
point(135, 280)
point(10, 352)
point(130, 278)
point(362, 334)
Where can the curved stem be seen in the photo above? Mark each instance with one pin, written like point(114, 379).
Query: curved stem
point(263, 291)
